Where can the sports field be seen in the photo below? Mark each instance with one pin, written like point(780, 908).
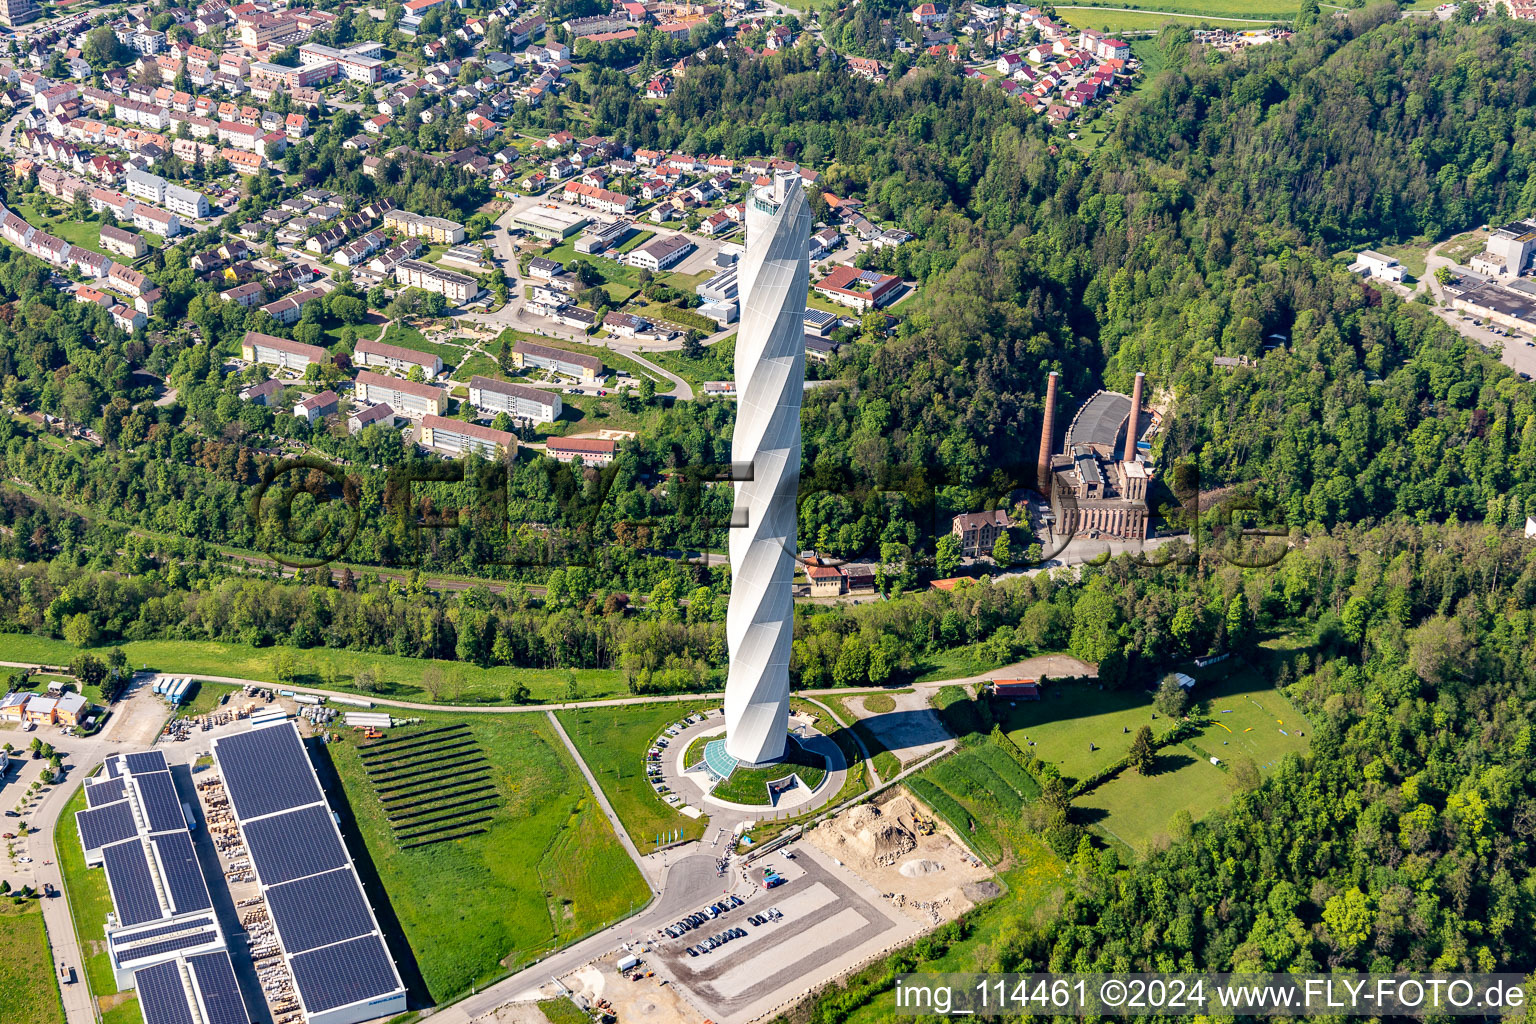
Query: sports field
point(613, 742)
point(29, 988)
point(547, 871)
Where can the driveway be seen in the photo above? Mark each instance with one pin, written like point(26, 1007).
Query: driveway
point(134, 725)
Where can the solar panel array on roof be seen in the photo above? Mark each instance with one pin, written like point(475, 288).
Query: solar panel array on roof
point(157, 949)
point(319, 910)
point(266, 770)
point(345, 973)
point(104, 791)
point(216, 981)
point(132, 885)
point(162, 996)
point(114, 766)
point(158, 800)
point(183, 877)
point(149, 761)
point(104, 825)
point(288, 846)
point(126, 938)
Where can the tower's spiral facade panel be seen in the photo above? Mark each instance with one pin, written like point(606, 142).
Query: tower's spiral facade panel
point(770, 382)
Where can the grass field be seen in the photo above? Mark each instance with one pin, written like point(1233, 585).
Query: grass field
point(955, 663)
point(476, 363)
point(29, 988)
point(718, 363)
point(548, 871)
point(364, 332)
point(90, 901)
point(1151, 20)
point(400, 678)
point(1462, 248)
point(562, 1011)
point(1222, 11)
point(613, 742)
point(1136, 810)
point(1070, 716)
point(1410, 255)
point(205, 697)
point(1246, 716)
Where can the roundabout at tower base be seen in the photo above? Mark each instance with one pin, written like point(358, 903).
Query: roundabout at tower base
point(813, 766)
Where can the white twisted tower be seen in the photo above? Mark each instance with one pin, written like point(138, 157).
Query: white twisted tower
point(770, 382)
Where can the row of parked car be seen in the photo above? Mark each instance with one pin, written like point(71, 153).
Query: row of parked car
point(703, 917)
point(716, 941)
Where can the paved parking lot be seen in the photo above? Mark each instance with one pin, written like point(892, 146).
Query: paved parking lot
point(832, 922)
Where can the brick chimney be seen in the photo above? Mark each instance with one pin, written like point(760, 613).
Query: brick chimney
point(1134, 420)
point(1047, 433)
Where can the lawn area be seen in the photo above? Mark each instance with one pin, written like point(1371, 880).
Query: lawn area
point(583, 413)
point(955, 663)
point(1410, 255)
point(1134, 21)
point(90, 901)
point(718, 363)
point(613, 742)
point(634, 241)
point(401, 678)
point(815, 301)
point(547, 871)
point(205, 697)
point(364, 332)
point(562, 1011)
point(684, 318)
point(477, 363)
point(684, 282)
point(29, 987)
point(1059, 727)
point(750, 785)
point(1234, 10)
point(1247, 717)
point(408, 337)
point(1136, 809)
point(1462, 248)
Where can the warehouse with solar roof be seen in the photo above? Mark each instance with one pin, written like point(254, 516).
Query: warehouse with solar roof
point(341, 968)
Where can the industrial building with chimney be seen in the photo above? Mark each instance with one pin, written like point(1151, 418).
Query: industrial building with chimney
point(1098, 482)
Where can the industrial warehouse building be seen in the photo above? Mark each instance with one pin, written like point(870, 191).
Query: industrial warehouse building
point(550, 223)
point(290, 355)
point(526, 354)
point(329, 936)
point(393, 357)
point(135, 828)
point(518, 400)
point(457, 437)
point(405, 397)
